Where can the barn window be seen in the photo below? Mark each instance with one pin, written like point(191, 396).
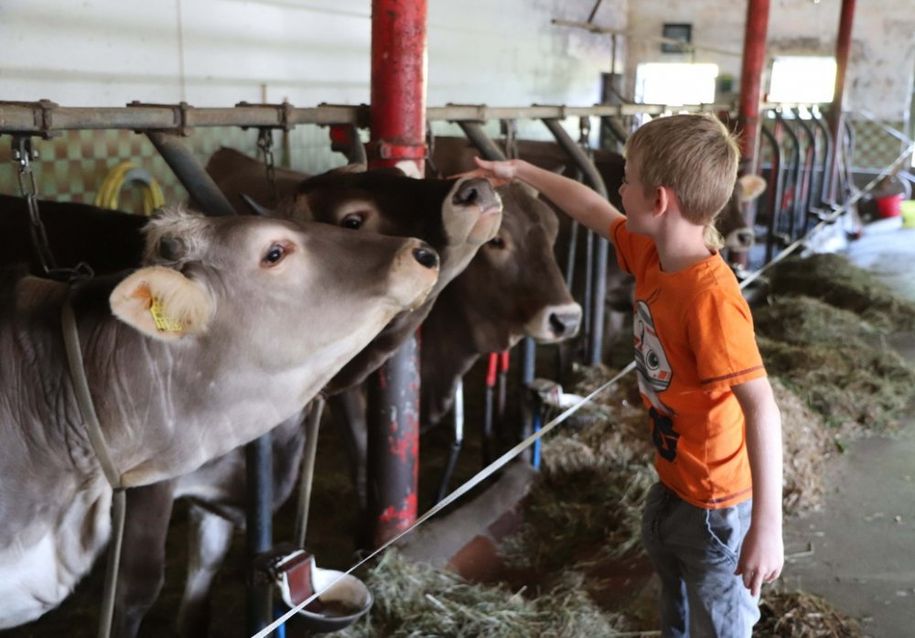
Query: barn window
point(675, 84)
point(805, 80)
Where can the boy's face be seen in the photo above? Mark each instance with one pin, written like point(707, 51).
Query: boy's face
point(638, 206)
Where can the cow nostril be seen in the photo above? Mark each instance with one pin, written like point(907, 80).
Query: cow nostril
point(426, 257)
point(468, 195)
point(557, 324)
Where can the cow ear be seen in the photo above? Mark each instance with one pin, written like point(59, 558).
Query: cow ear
point(162, 303)
point(750, 187)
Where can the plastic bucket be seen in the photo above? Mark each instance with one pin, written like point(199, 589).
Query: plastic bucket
point(908, 213)
point(888, 205)
point(345, 600)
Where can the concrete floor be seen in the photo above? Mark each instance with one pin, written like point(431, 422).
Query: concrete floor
point(863, 539)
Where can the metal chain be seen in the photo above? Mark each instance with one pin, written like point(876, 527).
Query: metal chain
point(265, 146)
point(23, 154)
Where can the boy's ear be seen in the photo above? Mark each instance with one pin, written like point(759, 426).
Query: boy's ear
point(749, 187)
point(162, 303)
point(663, 199)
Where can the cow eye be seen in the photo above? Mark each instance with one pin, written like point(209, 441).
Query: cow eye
point(274, 255)
point(353, 221)
point(497, 242)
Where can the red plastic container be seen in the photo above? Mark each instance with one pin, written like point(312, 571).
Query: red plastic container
point(888, 205)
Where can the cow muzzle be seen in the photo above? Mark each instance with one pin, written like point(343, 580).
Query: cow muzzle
point(554, 323)
point(476, 212)
point(740, 240)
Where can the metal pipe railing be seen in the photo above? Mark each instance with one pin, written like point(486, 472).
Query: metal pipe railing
point(599, 269)
point(45, 117)
point(810, 169)
point(190, 173)
point(793, 176)
point(775, 177)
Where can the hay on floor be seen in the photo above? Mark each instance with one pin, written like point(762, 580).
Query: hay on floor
point(802, 615)
point(838, 282)
point(586, 504)
point(838, 364)
point(414, 599)
point(806, 448)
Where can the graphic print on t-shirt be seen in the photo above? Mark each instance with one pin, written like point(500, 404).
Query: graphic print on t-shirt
point(654, 375)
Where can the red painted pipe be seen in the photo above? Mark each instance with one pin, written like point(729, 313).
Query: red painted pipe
point(754, 59)
point(398, 111)
point(398, 130)
point(843, 48)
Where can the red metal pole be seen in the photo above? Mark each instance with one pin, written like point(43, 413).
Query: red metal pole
point(754, 58)
point(398, 131)
point(843, 48)
point(398, 110)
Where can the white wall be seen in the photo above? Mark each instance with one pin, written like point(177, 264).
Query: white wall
point(882, 63)
point(217, 52)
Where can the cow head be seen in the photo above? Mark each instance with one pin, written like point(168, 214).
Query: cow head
point(513, 288)
point(221, 278)
point(455, 217)
point(731, 222)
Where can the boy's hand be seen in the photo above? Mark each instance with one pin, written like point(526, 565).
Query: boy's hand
point(498, 173)
point(761, 557)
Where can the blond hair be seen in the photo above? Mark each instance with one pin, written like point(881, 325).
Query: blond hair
point(696, 157)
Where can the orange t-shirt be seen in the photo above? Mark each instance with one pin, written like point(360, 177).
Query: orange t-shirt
point(694, 339)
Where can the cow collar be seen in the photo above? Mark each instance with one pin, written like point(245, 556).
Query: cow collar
point(84, 398)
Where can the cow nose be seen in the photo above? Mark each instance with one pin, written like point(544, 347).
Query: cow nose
point(426, 257)
point(564, 323)
point(476, 191)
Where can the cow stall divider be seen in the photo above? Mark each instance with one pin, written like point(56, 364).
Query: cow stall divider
point(165, 125)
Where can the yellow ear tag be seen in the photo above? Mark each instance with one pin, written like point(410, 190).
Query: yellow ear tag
point(163, 323)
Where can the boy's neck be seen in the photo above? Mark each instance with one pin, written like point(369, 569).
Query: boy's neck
point(680, 244)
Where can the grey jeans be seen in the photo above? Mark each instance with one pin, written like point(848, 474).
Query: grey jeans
point(695, 552)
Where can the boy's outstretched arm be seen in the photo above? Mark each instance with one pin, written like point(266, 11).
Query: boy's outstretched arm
point(762, 555)
point(576, 199)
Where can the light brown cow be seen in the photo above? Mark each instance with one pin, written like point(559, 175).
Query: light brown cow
point(258, 315)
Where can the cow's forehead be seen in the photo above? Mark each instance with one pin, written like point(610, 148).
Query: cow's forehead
point(339, 185)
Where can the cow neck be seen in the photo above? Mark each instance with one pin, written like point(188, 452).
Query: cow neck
point(83, 397)
point(100, 448)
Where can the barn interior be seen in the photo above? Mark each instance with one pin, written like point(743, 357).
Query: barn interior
point(475, 525)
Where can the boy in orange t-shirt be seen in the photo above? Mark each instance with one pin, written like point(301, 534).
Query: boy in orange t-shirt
point(713, 524)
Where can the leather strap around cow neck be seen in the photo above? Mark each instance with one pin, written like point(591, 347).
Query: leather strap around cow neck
point(84, 399)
